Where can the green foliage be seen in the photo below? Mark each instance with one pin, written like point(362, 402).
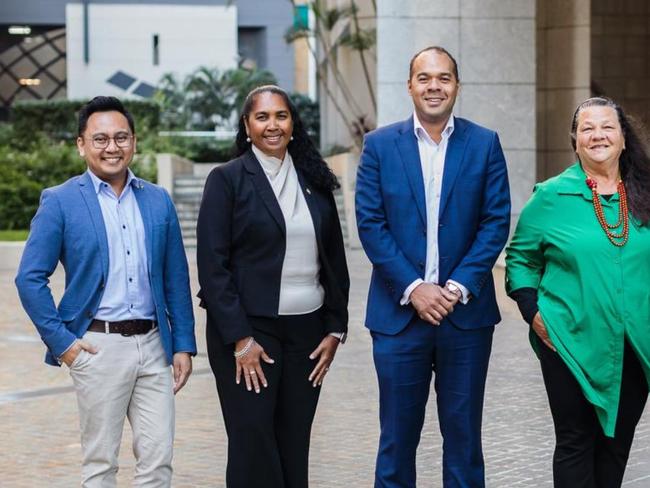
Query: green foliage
point(29, 166)
point(13, 235)
point(58, 118)
point(24, 174)
point(309, 111)
point(37, 149)
point(207, 98)
point(335, 29)
point(198, 149)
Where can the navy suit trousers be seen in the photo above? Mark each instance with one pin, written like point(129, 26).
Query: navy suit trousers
point(405, 364)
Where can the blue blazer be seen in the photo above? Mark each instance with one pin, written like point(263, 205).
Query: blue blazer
point(69, 227)
point(474, 220)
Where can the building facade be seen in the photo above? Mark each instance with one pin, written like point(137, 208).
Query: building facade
point(524, 67)
point(79, 48)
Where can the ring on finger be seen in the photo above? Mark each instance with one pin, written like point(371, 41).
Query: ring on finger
point(252, 372)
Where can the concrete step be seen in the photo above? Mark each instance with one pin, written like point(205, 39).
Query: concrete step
point(186, 180)
point(189, 242)
point(188, 215)
point(188, 191)
point(203, 169)
point(338, 198)
point(184, 206)
point(187, 224)
point(188, 197)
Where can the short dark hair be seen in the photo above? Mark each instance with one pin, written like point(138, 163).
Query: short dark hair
point(439, 50)
point(102, 104)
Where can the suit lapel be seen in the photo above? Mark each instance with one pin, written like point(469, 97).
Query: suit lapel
point(312, 204)
point(92, 202)
point(144, 205)
point(453, 162)
point(408, 149)
point(263, 188)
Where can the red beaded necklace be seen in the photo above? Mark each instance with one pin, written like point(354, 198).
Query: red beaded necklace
point(622, 213)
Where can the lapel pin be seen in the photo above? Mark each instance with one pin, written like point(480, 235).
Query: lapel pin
point(308, 191)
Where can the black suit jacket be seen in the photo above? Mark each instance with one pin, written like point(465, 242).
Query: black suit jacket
point(241, 243)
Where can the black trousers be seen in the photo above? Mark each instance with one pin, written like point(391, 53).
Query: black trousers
point(584, 457)
point(268, 433)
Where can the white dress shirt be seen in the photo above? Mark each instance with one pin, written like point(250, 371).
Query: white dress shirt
point(432, 159)
point(300, 289)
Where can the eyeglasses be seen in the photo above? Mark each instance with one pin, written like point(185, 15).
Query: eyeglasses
point(122, 140)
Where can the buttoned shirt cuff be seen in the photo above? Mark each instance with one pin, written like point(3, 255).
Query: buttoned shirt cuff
point(465, 293)
point(338, 335)
point(406, 296)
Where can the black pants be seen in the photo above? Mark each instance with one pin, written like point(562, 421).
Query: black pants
point(584, 457)
point(268, 433)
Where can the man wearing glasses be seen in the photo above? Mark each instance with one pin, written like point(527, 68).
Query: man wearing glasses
point(126, 313)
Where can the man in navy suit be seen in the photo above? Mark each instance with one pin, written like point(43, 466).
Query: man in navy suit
point(126, 312)
point(433, 211)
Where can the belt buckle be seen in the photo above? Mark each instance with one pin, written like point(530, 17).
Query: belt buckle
point(107, 327)
point(129, 326)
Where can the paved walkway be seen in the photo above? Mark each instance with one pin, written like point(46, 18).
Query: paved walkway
point(39, 427)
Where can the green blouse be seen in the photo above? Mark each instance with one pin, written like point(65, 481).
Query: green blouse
point(591, 294)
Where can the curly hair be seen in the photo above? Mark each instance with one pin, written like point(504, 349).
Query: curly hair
point(303, 151)
point(634, 161)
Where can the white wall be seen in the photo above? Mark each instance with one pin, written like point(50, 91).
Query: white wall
point(121, 38)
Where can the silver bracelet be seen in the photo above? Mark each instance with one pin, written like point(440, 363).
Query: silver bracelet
point(245, 349)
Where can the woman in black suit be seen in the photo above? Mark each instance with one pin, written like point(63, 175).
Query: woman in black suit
point(275, 283)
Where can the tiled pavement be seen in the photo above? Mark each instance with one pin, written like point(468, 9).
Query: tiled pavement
point(39, 445)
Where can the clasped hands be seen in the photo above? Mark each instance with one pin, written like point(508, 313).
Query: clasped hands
point(249, 365)
point(433, 302)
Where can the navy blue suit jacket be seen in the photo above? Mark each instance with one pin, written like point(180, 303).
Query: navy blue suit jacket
point(474, 220)
point(69, 227)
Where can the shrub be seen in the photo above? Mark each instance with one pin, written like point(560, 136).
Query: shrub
point(198, 149)
point(25, 172)
point(58, 118)
point(310, 114)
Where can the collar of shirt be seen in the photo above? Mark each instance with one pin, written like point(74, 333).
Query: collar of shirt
point(131, 179)
point(270, 164)
point(423, 136)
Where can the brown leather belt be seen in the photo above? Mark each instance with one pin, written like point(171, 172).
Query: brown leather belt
point(124, 327)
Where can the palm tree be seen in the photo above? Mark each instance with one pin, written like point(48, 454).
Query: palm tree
point(207, 97)
point(338, 28)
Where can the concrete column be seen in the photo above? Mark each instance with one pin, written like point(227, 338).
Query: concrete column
point(494, 44)
point(563, 77)
point(620, 58)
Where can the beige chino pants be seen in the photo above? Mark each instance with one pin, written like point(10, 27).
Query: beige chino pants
point(128, 378)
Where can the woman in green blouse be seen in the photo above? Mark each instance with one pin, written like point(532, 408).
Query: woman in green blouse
point(579, 268)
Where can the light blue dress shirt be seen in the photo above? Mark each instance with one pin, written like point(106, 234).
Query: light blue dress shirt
point(127, 293)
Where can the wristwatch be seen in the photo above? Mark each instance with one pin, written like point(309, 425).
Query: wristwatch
point(455, 289)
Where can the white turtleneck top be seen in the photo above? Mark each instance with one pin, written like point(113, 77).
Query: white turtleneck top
point(300, 288)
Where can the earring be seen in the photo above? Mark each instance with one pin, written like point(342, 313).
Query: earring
point(248, 139)
point(291, 138)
